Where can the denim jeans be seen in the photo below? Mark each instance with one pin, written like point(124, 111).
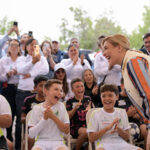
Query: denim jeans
point(20, 96)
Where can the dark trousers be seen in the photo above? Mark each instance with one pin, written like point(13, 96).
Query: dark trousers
point(9, 93)
point(20, 96)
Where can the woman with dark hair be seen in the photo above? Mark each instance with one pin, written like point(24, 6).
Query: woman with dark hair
point(10, 77)
point(28, 67)
point(60, 74)
point(74, 65)
point(91, 87)
point(46, 48)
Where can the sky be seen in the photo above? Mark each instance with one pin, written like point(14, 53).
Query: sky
point(43, 17)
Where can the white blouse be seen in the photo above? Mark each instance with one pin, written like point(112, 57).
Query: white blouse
point(75, 71)
point(6, 65)
point(25, 66)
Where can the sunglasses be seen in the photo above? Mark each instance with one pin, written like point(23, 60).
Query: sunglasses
point(60, 71)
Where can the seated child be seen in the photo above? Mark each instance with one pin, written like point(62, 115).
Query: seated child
point(77, 108)
point(30, 101)
point(49, 120)
point(108, 126)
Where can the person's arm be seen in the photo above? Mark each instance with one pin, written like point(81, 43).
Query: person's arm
point(93, 136)
point(100, 65)
point(148, 140)
point(64, 127)
point(138, 73)
point(72, 111)
point(41, 68)
point(35, 130)
point(5, 121)
point(122, 133)
point(5, 116)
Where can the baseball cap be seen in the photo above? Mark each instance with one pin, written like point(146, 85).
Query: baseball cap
point(59, 66)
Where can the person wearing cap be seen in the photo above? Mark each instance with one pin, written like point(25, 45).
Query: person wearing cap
point(135, 71)
point(74, 65)
point(57, 54)
point(60, 74)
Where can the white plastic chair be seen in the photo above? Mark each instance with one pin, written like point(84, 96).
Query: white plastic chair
point(26, 130)
point(88, 115)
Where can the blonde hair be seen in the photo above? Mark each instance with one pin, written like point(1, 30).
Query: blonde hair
point(117, 39)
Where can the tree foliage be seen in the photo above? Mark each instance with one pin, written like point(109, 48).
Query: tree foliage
point(137, 35)
point(5, 25)
point(86, 30)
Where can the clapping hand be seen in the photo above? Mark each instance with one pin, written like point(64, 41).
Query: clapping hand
point(48, 113)
point(82, 59)
point(95, 90)
point(75, 59)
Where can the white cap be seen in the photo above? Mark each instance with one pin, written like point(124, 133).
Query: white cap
point(58, 66)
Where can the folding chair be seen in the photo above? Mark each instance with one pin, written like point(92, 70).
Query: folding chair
point(88, 115)
point(26, 129)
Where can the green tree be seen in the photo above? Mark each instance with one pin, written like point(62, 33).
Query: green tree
point(5, 25)
point(105, 26)
point(86, 30)
point(137, 35)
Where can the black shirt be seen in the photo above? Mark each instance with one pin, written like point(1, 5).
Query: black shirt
point(29, 102)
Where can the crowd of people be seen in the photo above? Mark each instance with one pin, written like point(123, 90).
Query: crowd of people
point(60, 88)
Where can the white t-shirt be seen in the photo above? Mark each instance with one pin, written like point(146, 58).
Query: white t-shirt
point(50, 131)
point(100, 119)
point(4, 109)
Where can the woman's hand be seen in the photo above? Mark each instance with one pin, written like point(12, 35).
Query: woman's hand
point(82, 59)
point(75, 59)
point(35, 58)
point(95, 90)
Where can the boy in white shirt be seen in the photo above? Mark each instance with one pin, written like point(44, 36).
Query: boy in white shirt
point(108, 126)
point(49, 120)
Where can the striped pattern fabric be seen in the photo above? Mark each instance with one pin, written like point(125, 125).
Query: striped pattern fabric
point(138, 72)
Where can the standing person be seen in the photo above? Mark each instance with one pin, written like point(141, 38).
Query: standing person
point(23, 40)
point(146, 47)
point(101, 70)
point(49, 120)
point(135, 72)
point(9, 75)
point(46, 48)
point(76, 42)
point(57, 54)
point(28, 66)
point(74, 65)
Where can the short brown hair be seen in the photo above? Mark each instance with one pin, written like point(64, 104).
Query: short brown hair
point(50, 82)
point(109, 87)
point(76, 80)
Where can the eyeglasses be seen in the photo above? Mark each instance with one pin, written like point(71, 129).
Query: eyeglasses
point(60, 71)
point(14, 45)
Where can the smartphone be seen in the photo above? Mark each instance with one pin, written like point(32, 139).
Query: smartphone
point(30, 33)
point(15, 23)
point(36, 50)
point(46, 45)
